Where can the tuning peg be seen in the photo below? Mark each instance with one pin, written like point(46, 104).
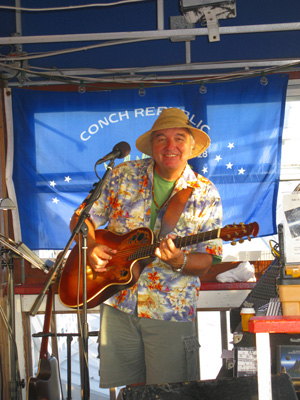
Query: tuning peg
point(249, 238)
point(233, 243)
point(241, 241)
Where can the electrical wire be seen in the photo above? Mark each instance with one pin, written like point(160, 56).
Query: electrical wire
point(12, 339)
point(274, 248)
point(120, 75)
point(115, 3)
point(74, 50)
point(13, 344)
point(150, 79)
point(1, 377)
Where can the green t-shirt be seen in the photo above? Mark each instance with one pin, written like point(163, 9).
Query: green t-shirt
point(162, 191)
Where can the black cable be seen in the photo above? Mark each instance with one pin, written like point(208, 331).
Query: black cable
point(274, 248)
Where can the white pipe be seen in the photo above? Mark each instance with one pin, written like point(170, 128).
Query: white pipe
point(160, 15)
point(18, 17)
point(188, 53)
point(165, 34)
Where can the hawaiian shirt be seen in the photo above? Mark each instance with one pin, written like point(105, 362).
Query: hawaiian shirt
point(125, 204)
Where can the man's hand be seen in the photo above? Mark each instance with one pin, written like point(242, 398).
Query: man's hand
point(99, 255)
point(197, 263)
point(169, 253)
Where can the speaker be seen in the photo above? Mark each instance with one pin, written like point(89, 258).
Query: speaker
point(239, 388)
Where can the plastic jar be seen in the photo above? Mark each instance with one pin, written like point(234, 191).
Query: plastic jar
point(246, 314)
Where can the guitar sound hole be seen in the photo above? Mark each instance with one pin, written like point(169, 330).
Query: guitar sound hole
point(123, 272)
point(141, 236)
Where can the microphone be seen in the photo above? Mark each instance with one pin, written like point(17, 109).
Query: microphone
point(120, 150)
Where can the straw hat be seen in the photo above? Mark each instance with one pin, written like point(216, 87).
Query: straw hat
point(173, 118)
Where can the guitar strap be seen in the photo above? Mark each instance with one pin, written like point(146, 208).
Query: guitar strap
point(173, 211)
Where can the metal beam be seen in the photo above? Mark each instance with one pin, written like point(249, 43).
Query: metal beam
point(158, 34)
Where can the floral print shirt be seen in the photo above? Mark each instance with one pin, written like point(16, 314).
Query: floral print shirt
point(125, 204)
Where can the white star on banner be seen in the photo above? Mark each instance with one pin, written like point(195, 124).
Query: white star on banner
point(204, 170)
point(67, 179)
point(52, 183)
point(218, 158)
point(241, 171)
point(229, 165)
point(230, 146)
point(55, 200)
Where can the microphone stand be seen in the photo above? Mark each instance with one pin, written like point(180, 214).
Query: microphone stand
point(80, 228)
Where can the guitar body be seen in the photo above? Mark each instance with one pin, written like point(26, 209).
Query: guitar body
point(121, 272)
point(46, 385)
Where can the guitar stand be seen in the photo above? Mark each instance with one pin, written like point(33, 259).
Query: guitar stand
point(69, 337)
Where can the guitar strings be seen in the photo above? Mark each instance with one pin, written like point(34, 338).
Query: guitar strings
point(135, 252)
point(148, 250)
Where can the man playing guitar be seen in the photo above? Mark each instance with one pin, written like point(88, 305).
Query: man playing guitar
point(147, 333)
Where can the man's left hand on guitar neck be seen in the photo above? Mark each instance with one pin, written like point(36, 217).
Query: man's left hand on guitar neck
point(195, 264)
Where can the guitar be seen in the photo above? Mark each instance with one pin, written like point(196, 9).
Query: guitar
point(135, 251)
point(46, 385)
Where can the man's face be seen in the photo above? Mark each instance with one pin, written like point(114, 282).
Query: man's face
point(171, 148)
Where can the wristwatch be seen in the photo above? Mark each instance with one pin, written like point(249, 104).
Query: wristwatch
point(180, 269)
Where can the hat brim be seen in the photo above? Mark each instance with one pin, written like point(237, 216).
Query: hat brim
point(201, 139)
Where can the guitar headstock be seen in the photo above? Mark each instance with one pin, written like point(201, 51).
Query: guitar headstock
point(233, 232)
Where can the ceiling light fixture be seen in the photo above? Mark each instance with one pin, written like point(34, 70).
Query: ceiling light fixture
point(202, 89)
point(142, 90)
point(263, 79)
point(208, 12)
point(81, 87)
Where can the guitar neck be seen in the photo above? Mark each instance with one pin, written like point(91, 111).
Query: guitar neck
point(148, 251)
point(198, 238)
point(46, 328)
point(228, 233)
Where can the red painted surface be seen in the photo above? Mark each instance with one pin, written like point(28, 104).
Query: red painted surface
point(275, 324)
point(227, 286)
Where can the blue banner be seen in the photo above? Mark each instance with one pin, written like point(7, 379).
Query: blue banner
point(59, 136)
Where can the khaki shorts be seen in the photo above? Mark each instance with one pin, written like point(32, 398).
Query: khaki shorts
point(134, 350)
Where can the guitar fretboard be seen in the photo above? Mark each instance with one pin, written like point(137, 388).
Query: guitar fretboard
point(148, 251)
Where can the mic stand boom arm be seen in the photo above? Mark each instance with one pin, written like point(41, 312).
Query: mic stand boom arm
point(53, 274)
